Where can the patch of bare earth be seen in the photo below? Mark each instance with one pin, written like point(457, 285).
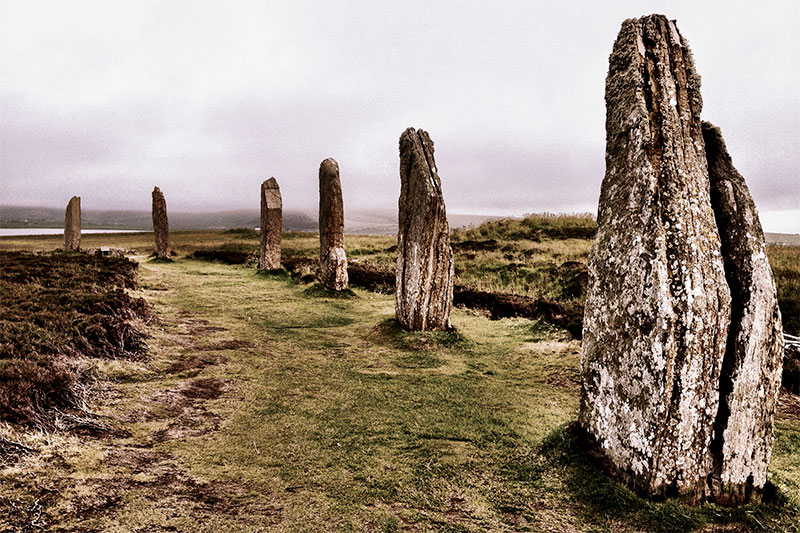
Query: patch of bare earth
point(194, 363)
point(184, 407)
point(156, 477)
point(563, 381)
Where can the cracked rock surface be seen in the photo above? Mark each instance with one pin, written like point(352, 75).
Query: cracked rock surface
point(269, 257)
point(424, 276)
point(332, 256)
point(682, 334)
point(752, 367)
point(160, 224)
point(72, 225)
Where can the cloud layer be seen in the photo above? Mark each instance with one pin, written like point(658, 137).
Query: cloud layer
point(207, 99)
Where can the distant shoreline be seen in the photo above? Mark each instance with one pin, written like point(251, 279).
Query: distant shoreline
point(787, 239)
point(31, 232)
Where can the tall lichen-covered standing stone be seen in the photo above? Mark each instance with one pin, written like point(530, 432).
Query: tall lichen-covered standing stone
point(160, 224)
point(751, 369)
point(72, 225)
point(271, 224)
point(424, 288)
point(332, 257)
point(658, 306)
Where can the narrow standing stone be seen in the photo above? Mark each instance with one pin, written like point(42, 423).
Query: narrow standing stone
point(751, 369)
point(658, 306)
point(160, 224)
point(72, 225)
point(332, 257)
point(424, 287)
point(271, 222)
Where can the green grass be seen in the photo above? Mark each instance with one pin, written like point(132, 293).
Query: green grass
point(330, 416)
point(785, 262)
point(334, 415)
point(533, 227)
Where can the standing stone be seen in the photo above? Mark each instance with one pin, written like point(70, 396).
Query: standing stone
point(658, 306)
point(751, 369)
point(160, 224)
point(72, 225)
point(332, 257)
point(271, 222)
point(424, 287)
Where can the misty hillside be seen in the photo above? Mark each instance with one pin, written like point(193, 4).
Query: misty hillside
point(45, 217)
point(366, 221)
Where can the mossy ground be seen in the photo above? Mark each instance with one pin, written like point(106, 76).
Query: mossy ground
point(270, 405)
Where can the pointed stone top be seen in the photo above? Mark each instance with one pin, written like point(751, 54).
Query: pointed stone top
point(715, 144)
point(270, 196)
point(652, 16)
point(416, 157)
point(657, 18)
point(661, 21)
point(651, 32)
point(329, 164)
point(411, 132)
point(78, 198)
point(156, 190)
point(712, 130)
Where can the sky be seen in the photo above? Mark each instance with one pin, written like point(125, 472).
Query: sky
point(206, 99)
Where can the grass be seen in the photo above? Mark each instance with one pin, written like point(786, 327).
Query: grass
point(533, 227)
point(542, 256)
point(785, 262)
point(326, 412)
point(268, 404)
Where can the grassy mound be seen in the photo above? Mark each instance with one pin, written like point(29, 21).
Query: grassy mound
point(535, 227)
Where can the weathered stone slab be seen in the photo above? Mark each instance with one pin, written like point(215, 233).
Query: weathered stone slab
point(271, 225)
point(160, 224)
point(751, 369)
point(332, 256)
point(424, 288)
point(72, 225)
point(658, 306)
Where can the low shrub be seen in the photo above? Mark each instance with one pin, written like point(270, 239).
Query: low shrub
point(57, 309)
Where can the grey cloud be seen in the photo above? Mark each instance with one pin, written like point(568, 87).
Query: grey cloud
point(207, 101)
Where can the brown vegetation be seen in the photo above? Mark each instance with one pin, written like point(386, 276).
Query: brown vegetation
point(58, 309)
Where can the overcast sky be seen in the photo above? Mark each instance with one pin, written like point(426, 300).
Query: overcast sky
point(207, 99)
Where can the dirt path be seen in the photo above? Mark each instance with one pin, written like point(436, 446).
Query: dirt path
point(120, 475)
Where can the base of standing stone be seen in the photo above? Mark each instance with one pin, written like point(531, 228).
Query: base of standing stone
point(333, 270)
point(586, 441)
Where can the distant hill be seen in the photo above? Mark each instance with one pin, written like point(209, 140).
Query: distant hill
point(364, 221)
point(44, 217)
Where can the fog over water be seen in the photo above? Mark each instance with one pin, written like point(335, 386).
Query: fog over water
point(207, 99)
